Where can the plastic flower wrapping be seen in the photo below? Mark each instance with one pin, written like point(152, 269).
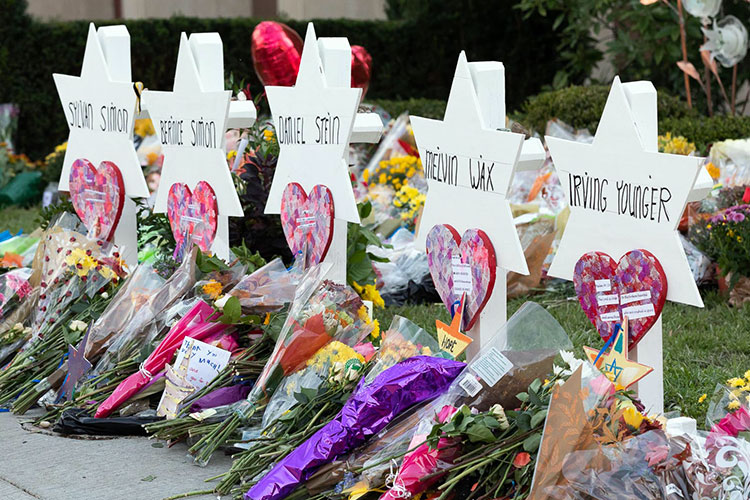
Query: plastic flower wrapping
point(321, 312)
point(196, 324)
point(72, 265)
point(369, 410)
point(597, 446)
point(269, 288)
point(14, 288)
point(310, 398)
point(136, 314)
point(522, 351)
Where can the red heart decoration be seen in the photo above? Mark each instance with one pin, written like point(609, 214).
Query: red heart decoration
point(307, 221)
point(97, 196)
point(193, 216)
point(461, 265)
point(635, 287)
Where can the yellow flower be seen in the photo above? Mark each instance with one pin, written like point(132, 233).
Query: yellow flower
point(366, 175)
point(268, 134)
point(382, 178)
point(702, 398)
point(733, 405)
point(369, 292)
point(632, 417)
point(736, 382)
point(212, 289)
point(143, 127)
point(107, 273)
point(713, 170)
point(375, 329)
point(80, 261)
point(231, 155)
point(151, 157)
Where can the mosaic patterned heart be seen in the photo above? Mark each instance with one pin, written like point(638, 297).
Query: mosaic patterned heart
point(307, 221)
point(462, 265)
point(98, 196)
point(635, 287)
point(192, 216)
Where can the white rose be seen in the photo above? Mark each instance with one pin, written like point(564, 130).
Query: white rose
point(222, 301)
point(105, 295)
point(78, 325)
point(499, 413)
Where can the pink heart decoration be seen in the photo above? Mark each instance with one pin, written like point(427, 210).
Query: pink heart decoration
point(192, 216)
point(307, 221)
point(462, 265)
point(97, 196)
point(635, 287)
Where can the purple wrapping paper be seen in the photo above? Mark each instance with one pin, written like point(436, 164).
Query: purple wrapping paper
point(368, 410)
point(220, 397)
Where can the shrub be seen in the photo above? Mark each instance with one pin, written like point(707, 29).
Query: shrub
point(412, 57)
point(704, 131)
point(429, 108)
point(581, 107)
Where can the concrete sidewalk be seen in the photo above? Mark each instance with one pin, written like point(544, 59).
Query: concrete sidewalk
point(37, 464)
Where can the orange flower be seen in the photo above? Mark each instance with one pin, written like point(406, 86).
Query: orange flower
point(521, 460)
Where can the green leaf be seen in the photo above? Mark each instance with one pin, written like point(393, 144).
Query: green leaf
point(531, 443)
point(210, 264)
point(491, 422)
point(232, 311)
point(538, 418)
point(524, 422)
point(522, 396)
point(479, 433)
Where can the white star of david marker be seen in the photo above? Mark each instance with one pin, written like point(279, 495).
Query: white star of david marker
point(100, 114)
point(623, 197)
point(190, 124)
point(469, 169)
point(313, 125)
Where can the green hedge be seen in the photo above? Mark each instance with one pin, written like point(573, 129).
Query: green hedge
point(581, 107)
point(429, 108)
point(412, 58)
point(705, 131)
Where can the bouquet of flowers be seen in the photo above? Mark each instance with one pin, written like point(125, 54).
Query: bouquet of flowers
point(723, 238)
point(269, 288)
point(322, 311)
point(196, 324)
point(72, 266)
point(518, 356)
point(311, 397)
point(370, 408)
point(14, 288)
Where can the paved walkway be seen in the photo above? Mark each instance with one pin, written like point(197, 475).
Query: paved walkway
point(37, 464)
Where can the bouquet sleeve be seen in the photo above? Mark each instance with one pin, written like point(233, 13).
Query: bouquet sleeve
point(368, 410)
point(196, 324)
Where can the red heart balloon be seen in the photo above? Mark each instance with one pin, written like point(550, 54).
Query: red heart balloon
point(277, 50)
point(307, 221)
point(97, 196)
point(361, 68)
point(461, 265)
point(635, 287)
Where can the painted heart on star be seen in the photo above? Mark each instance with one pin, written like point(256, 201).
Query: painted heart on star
point(462, 265)
point(98, 196)
point(307, 221)
point(192, 216)
point(636, 287)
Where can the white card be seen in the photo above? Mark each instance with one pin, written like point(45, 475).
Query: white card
point(461, 276)
point(627, 298)
point(610, 316)
point(636, 312)
point(491, 366)
point(607, 299)
point(603, 285)
point(204, 361)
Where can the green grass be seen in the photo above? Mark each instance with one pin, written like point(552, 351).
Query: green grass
point(16, 218)
point(702, 347)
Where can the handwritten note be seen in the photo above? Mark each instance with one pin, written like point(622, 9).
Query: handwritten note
point(204, 361)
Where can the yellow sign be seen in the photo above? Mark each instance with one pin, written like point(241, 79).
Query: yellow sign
point(450, 338)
